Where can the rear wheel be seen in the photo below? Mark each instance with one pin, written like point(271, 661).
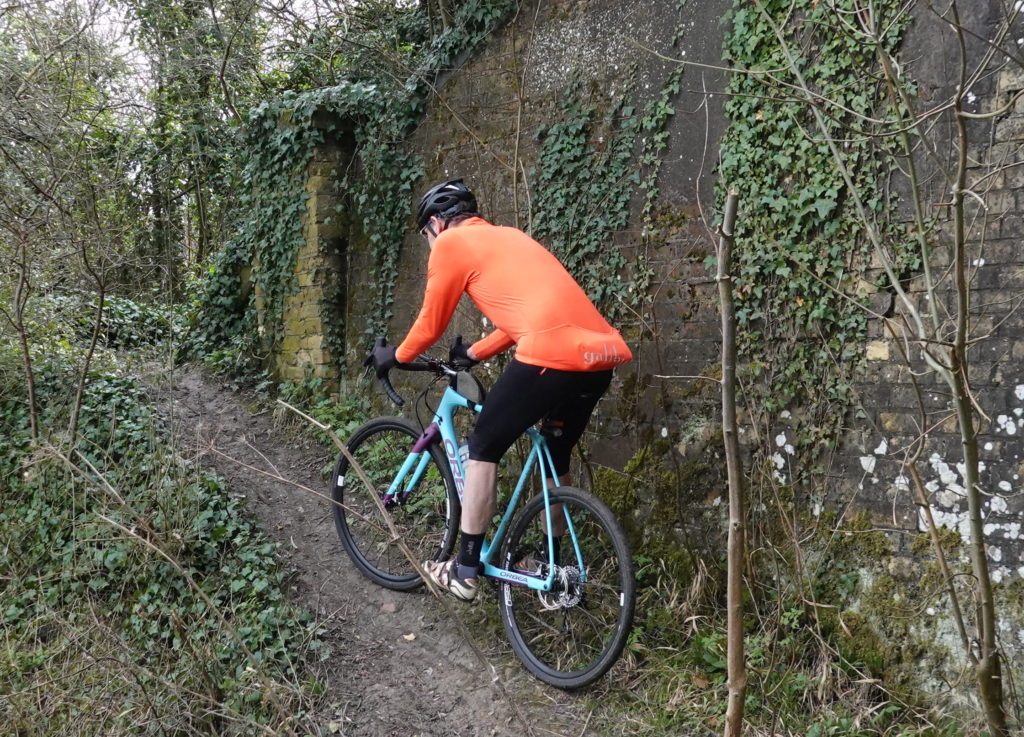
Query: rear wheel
point(426, 516)
point(571, 636)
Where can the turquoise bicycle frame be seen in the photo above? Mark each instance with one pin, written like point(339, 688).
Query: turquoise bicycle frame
point(442, 430)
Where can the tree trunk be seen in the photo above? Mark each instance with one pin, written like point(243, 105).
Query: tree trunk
point(83, 376)
point(736, 553)
point(990, 685)
point(21, 293)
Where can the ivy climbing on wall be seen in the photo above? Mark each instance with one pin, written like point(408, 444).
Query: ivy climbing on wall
point(801, 262)
point(591, 163)
point(281, 135)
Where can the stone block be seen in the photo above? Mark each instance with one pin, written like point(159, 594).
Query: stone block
point(878, 350)
point(308, 327)
point(329, 230)
point(325, 168)
point(899, 423)
point(1000, 201)
point(940, 255)
point(903, 396)
point(996, 277)
point(309, 311)
point(310, 250)
point(877, 329)
point(894, 373)
point(1011, 226)
point(982, 325)
point(289, 372)
point(1001, 252)
point(1011, 78)
point(307, 260)
point(918, 284)
point(999, 155)
point(326, 204)
point(316, 184)
point(1014, 175)
point(1010, 129)
point(947, 425)
point(998, 350)
point(977, 159)
point(312, 343)
point(904, 516)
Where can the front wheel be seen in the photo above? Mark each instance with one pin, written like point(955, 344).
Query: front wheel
point(425, 510)
point(571, 636)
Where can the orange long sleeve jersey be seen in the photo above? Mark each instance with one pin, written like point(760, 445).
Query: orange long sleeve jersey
point(527, 294)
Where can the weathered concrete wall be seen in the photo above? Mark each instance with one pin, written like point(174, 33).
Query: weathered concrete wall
point(903, 401)
point(482, 126)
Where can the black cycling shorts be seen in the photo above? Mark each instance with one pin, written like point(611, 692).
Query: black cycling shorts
point(524, 395)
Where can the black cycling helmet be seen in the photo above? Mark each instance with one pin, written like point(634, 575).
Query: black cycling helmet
point(446, 200)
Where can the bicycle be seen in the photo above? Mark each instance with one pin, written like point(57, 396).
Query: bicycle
point(567, 616)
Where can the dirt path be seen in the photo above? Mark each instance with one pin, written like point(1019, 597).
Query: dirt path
point(381, 680)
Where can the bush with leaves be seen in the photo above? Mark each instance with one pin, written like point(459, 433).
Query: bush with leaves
point(378, 91)
point(126, 563)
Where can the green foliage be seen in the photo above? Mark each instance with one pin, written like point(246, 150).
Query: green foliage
point(801, 258)
point(126, 323)
point(342, 414)
point(204, 64)
point(66, 195)
point(379, 110)
point(206, 634)
point(802, 668)
point(590, 163)
point(586, 190)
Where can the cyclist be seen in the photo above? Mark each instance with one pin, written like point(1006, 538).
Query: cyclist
point(565, 352)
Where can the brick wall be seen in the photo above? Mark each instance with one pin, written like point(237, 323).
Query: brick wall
point(487, 115)
point(482, 125)
point(320, 271)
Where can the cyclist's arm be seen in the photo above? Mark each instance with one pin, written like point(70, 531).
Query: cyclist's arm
point(491, 345)
point(446, 281)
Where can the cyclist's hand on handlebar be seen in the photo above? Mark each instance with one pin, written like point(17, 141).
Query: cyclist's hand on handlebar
point(382, 358)
point(459, 354)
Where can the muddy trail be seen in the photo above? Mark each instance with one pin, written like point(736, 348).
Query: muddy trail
point(398, 664)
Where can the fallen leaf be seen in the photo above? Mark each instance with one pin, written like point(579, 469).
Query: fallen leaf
point(389, 606)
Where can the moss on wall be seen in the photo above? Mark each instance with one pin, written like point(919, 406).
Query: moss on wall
point(661, 500)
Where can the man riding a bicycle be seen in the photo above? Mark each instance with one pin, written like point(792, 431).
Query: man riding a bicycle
point(565, 352)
